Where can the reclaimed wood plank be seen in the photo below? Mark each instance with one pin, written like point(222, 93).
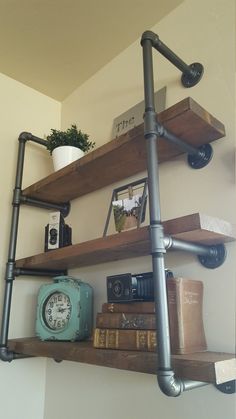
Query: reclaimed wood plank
point(126, 155)
point(211, 367)
point(196, 228)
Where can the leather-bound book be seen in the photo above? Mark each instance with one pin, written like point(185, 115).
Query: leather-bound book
point(134, 340)
point(185, 300)
point(131, 307)
point(126, 321)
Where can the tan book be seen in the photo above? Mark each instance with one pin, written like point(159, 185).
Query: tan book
point(136, 340)
point(126, 321)
point(133, 307)
point(185, 300)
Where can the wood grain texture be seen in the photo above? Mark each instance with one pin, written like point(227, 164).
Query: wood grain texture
point(196, 228)
point(126, 156)
point(212, 367)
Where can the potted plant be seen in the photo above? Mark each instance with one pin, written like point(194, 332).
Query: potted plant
point(67, 146)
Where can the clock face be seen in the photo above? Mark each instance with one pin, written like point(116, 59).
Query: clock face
point(57, 311)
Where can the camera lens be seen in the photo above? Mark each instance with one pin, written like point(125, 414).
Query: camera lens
point(53, 236)
point(117, 288)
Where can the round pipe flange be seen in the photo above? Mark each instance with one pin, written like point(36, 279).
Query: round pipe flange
point(215, 259)
point(227, 388)
point(190, 80)
point(200, 160)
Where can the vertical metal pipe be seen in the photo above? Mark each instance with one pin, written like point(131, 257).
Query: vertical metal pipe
point(9, 277)
point(148, 76)
point(157, 237)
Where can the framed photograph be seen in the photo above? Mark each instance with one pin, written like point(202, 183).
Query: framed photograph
point(128, 205)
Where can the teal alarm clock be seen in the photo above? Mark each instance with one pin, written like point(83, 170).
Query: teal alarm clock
point(65, 310)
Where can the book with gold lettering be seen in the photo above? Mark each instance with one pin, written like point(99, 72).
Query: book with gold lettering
point(126, 321)
point(134, 340)
point(185, 302)
point(131, 307)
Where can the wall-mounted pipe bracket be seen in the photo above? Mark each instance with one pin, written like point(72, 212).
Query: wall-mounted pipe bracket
point(210, 257)
point(200, 160)
point(191, 79)
point(228, 388)
point(191, 74)
point(215, 258)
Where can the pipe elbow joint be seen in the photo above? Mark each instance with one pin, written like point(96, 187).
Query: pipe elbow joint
point(150, 36)
point(169, 384)
point(6, 355)
point(24, 136)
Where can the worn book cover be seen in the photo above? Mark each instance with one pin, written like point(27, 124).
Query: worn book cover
point(126, 321)
point(132, 307)
point(136, 340)
point(185, 300)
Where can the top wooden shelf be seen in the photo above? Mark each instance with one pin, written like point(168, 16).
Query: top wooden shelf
point(126, 156)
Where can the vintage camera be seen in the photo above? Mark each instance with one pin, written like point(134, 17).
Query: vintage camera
point(131, 287)
point(57, 233)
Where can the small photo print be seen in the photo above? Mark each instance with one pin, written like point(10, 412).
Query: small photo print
point(127, 212)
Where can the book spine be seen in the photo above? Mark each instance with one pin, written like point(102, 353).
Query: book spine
point(126, 321)
point(134, 340)
point(185, 299)
point(135, 307)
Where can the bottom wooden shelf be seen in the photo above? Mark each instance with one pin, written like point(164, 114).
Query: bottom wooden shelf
point(211, 367)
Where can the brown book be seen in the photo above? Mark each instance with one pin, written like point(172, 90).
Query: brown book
point(134, 340)
point(185, 299)
point(126, 321)
point(133, 307)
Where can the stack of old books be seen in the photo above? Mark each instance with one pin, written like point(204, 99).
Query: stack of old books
point(132, 325)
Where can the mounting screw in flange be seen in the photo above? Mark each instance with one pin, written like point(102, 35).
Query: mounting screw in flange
point(194, 76)
point(227, 388)
point(216, 257)
point(200, 160)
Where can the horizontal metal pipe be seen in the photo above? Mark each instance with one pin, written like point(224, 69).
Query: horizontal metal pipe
point(38, 140)
point(39, 272)
point(199, 249)
point(167, 52)
point(177, 141)
point(63, 208)
point(172, 57)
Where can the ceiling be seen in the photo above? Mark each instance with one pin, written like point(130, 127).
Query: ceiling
point(54, 46)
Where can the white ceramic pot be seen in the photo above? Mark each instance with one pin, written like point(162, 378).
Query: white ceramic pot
point(64, 155)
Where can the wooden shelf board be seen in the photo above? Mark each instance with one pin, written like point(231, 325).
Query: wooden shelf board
point(126, 156)
point(210, 367)
point(196, 228)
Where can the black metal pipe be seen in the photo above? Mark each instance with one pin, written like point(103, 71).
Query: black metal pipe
point(64, 208)
point(27, 136)
point(167, 52)
point(169, 384)
point(162, 132)
point(191, 74)
point(39, 272)
point(9, 276)
point(175, 244)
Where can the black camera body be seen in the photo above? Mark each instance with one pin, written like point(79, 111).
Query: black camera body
point(131, 287)
point(57, 233)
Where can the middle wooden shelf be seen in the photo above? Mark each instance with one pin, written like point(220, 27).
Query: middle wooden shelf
point(194, 228)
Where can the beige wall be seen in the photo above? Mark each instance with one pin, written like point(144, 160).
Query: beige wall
point(198, 31)
point(22, 382)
